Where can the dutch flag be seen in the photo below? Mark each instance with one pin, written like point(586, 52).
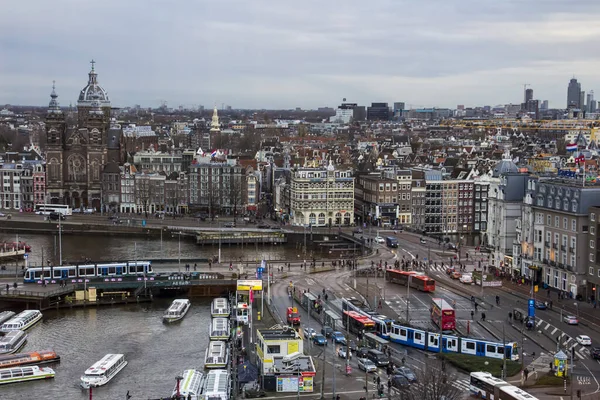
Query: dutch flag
point(572, 147)
point(214, 153)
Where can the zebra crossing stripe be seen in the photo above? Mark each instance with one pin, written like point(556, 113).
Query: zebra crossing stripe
point(539, 322)
point(547, 326)
point(554, 331)
point(569, 338)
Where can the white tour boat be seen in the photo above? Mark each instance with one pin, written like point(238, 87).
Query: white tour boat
point(220, 307)
point(219, 329)
point(190, 387)
point(177, 310)
point(22, 374)
point(216, 386)
point(217, 354)
point(12, 342)
point(103, 371)
point(22, 321)
point(5, 316)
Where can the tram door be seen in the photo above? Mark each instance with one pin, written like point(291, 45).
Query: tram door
point(119, 270)
point(480, 349)
point(64, 273)
point(103, 271)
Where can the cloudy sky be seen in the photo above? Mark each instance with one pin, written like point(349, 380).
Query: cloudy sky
point(309, 53)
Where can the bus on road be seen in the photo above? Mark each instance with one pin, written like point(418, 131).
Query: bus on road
point(417, 280)
point(442, 314)
point(357, 323)
point(46, 209)
point(484, 386)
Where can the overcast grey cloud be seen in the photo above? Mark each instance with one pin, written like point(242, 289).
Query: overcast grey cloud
point(282, 54)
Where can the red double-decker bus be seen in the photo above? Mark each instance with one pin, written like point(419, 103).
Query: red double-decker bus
point(442, 314)
point(357, 323)
point(417, 280)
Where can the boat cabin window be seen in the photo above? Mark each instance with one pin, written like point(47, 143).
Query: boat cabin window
point(17, 373)
point(4, 374)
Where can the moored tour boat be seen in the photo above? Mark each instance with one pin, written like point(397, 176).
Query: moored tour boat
point(103, 371)
point(219, 329)
point(177, 310)
point(22, 374)
point(217, 386)
point(219, 307)
point(190, 386)
point(22, 321)
point(29, 358)
point(5, 316)
point(12, 342)
point(217, 354)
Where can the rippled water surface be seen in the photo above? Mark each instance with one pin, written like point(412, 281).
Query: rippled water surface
point(156, 352)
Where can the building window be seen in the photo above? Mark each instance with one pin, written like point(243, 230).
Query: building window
point(565, 224)
point(556, 222)
point(574, 225)
point(592, 230)
point(592, 217)
point(273, 349)
point(591, 244)
point(591, 270)
point(591, 257)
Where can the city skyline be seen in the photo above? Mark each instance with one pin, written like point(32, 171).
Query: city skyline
point(254, 55)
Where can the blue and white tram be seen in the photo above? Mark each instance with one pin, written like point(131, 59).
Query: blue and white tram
point(430, 341)
point(63, 272)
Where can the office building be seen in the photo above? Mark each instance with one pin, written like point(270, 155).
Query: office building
point(322, 196)
point(528, 95)
point(378, 112)
point(574, 94)
point(344, 113)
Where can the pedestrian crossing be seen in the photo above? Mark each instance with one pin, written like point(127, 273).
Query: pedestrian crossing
point(460, 384)
point(558, 335)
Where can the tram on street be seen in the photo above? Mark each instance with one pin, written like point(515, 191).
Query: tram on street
point(442, 314)
point(415, 279)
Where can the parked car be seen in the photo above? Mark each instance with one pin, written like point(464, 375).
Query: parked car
point(540, 305)
point(366, 365)
point(262, 226)
point(451, 246)
point(584, 340)
point(400, 382)
point(229, 225)
point(595, 353)
point(327, 331)
point(338, 337)
point(407, 373)
point(466, 278)
point(343, 352)
point(320, 339)
point(89, 211)
point(571, 320)
point(422, 241)
point(7, 216)
point(309, 332)
point(379, 239)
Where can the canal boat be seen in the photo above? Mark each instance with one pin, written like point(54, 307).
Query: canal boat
point(12, 342)
point(103, 371)
point(219, 329)
point(216, 386)
point(219, 307)
point(217, 354)
point(177, 310)
point(29, 358)
point(22, 374)
point(22, 321)
point(190, 386)
point(5, 316)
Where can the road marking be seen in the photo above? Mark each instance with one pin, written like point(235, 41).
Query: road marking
point(547, 326)
point(581, 357)
point(554, 331)
point(539, 323)
point(568, 339)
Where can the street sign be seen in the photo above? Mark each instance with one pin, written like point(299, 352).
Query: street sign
point(25, 255)
point(531, 308)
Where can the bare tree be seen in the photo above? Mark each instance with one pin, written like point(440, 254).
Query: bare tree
point(433, 383)
point(237, 193)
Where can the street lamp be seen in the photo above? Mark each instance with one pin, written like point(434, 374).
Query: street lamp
point(179, 233)
point(577, 309)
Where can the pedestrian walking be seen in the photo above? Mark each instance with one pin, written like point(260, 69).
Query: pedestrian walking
point(526, 372)
point(483, 316)
point(472, 315)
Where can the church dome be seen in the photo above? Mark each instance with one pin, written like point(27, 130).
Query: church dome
point(504, 167)
point(93, 92)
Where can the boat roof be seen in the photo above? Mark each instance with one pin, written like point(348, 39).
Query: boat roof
point(217, 381)
point(178, 304)
point(105, 363)
point(12, 336)
point(216, 347)
point(220, 323)
point(192, 378)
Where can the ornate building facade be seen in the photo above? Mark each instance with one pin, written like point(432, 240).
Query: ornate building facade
point(76, 156)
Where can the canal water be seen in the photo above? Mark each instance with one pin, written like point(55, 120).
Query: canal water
point(156, 352)
point(117, 248)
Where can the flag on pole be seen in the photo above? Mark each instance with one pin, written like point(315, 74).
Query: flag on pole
point(572, 147)
point(214, 153)
point(251, 296)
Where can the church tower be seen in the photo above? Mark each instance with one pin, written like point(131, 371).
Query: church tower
point(215, 126)
point(91, 97)
point(55, 136)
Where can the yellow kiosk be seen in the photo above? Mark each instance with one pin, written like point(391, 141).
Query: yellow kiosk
point(560, 364)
